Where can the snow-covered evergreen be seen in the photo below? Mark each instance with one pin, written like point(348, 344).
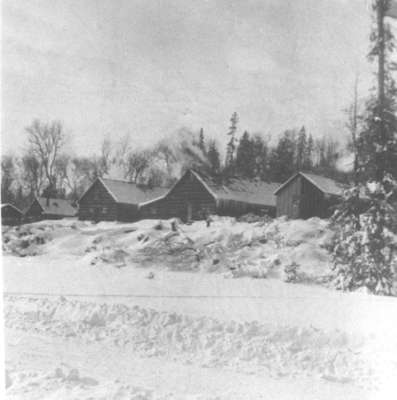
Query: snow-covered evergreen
point(364, 246)
point(364, 249)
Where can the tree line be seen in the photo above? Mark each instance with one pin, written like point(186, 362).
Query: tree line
point(46, 168)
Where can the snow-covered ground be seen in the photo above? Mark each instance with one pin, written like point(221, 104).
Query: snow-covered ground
point(136, 311)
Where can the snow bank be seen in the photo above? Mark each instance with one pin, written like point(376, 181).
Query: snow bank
point(266, 248)
point(268, 349)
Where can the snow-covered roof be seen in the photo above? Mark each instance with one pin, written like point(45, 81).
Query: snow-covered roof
point(12, 206)
point(326, 185)
point(131, 193)
point(241, 190)
point(56, 207)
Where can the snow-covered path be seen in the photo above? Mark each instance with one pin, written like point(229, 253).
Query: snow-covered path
point(210, 294)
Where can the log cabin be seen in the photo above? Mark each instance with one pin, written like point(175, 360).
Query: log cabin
point(49, 208)
point(115, 200)
point(307, 195)
point(10, 215)
point(196, 195)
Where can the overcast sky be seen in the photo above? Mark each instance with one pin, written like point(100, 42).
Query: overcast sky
point(149, 67)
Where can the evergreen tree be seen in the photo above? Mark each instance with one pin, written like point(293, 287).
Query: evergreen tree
point(282, 158)
point(331, 157)
point(260, 150)
point(231, 145)
point(245, 160)
point(301, 148)
point(308, 157)
point(213, 158)
point(320, 155)
point(364, 252)
point(201, 141)
point(377, 142)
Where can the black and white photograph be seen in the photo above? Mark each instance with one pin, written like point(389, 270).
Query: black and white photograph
point(198, 200)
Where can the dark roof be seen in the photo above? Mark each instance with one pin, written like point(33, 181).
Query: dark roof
point(241, 190)
point(131, 193)
point(12, 206)
point(56, 207)
point(326, 185)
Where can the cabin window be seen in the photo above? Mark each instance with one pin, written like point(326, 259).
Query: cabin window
point(104, 210)
point(152, 211)
point(91, 210)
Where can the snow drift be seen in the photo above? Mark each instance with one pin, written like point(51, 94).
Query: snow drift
point(261, 249)
point(268, 349)
point(150, 298)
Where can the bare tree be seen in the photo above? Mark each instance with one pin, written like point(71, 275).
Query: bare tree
point(46, 141)
point(82, 172)
point(158, 177)
point(7, 179)
point(63, 173)
point(74, 175)
point(32, 174)
point(137, 163)
point(164, 153)
point(122, 150)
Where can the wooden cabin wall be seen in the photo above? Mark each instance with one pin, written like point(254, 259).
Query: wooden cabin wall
point(313, 203)
point(189, 192)
point(97, 204)
point(154, 210)
point(34, 213)
point(52, 216)
point(317, 204)
point(288, 199)
point(127, 212)
point(301, 199)
point(233, 208)
point(10, 216)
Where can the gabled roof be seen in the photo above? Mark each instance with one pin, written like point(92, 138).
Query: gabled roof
point(326, 185)
point(130, 193)
point(241, 190)
point(59, 207)
point(12, 206)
